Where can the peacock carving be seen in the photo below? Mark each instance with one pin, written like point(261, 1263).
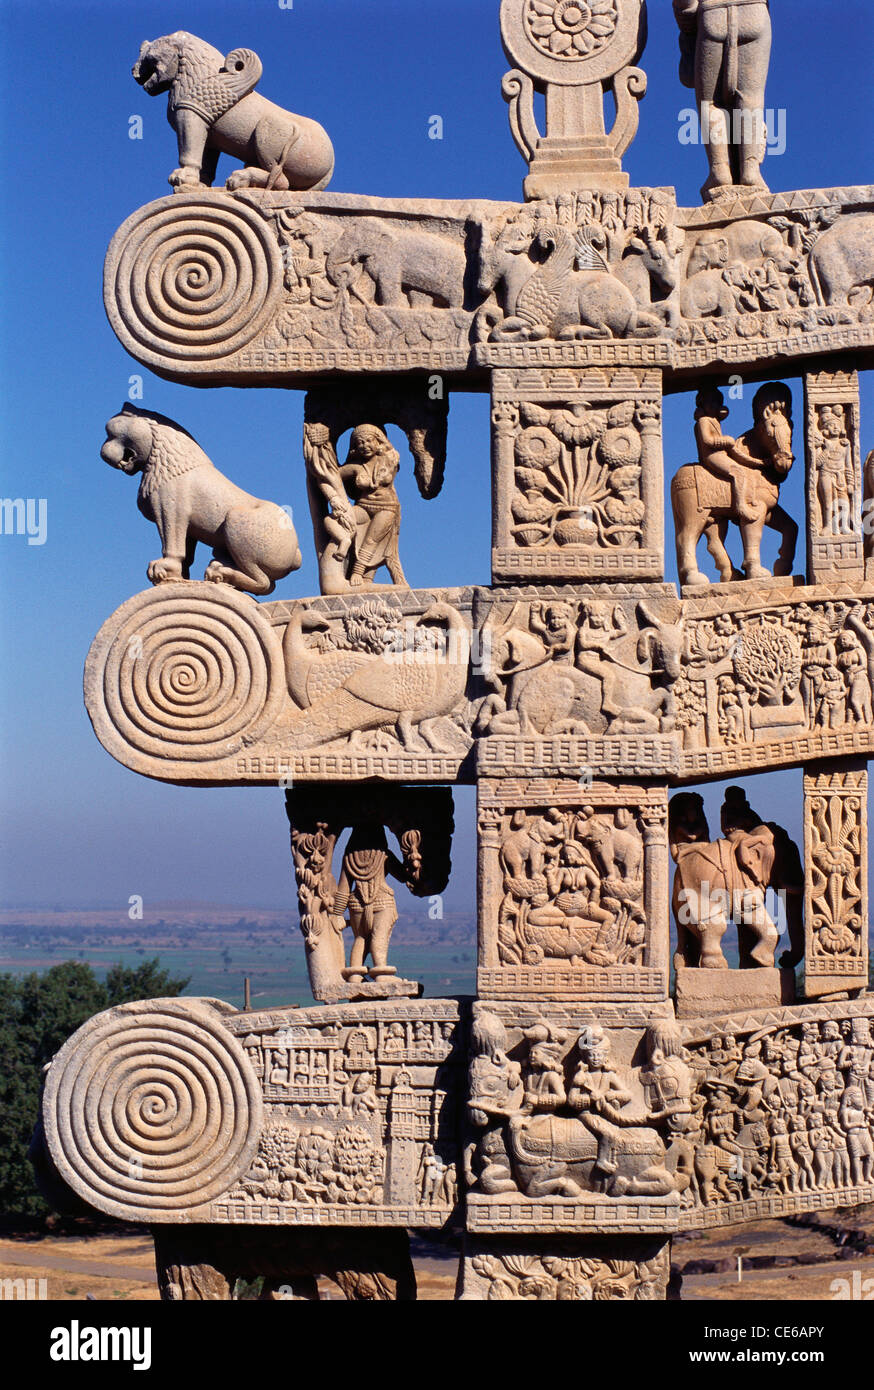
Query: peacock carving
point(377, 674)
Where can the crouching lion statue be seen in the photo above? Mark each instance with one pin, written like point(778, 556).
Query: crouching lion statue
point(189, 500)
point(214, 110)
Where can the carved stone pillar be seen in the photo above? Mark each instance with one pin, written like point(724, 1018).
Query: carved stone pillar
point(835, 540)
point(836, 878)
point(654, 821)
point(572, 891)
point(577, 474)
point(267, 1264)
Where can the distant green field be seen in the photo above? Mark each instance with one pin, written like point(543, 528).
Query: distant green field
point(278, 976)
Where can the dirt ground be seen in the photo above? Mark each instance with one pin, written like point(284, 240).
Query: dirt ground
point(782, 1261)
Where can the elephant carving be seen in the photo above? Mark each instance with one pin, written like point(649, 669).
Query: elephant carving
point(635, 677)
point(843, 259)
point(706, 291)
point(408, 268)
point(559, 1155)
point(727, 879)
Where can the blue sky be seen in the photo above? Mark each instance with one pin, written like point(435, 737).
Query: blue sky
point(78, 829)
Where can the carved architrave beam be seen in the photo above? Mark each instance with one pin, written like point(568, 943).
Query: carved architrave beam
point(747, 1116)
point(341, 1116)
point(259, 287)
point(351, 1115)
point(399, 685)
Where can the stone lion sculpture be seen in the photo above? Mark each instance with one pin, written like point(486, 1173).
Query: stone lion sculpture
point(214, 110)
point(189, 500)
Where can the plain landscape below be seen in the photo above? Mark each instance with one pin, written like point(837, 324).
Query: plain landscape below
point(218, 947)
point(823, 1257)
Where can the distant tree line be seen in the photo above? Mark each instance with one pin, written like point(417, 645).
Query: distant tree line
point(37, 1015)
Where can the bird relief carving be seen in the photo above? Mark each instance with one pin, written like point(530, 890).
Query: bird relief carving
point(374, 673)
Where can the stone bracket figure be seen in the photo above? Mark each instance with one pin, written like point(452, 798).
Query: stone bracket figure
point(421, 820)
point(363, 528)
point(364, 891)
point(354, 506)
point(725, 48)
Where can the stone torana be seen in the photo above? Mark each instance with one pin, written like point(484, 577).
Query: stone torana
point(605, 1088)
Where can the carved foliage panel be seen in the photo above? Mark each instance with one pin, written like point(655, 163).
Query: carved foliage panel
point(572, 890)
point(584, 1270)
point(836, 884)
point(577, 465)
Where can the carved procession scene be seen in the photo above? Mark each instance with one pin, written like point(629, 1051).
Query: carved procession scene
point(652, 1047)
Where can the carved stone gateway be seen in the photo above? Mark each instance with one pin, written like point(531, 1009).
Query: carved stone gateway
point(605, 1089)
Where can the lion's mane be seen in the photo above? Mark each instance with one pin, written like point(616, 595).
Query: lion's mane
point(201, 84)
point(173, 453)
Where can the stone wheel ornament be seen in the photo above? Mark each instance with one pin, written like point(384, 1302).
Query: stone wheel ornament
point(572, 42)
point(191, 279)
point(152, 1109)
point(183, 674)
point(571, 51)
point(571, 29)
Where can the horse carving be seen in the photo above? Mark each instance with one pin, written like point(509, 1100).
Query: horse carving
point(736, 480)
